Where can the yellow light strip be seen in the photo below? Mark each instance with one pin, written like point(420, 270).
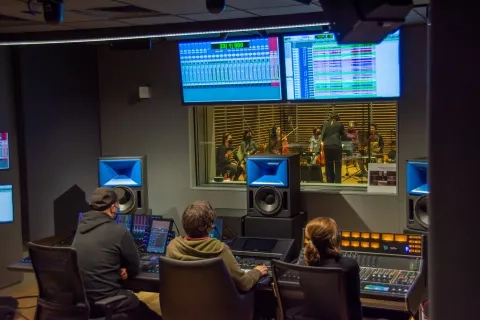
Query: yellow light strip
point(156, 36)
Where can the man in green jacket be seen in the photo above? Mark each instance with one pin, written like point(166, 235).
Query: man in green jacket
point(198, 220)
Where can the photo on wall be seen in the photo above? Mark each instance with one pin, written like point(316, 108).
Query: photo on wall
point(382, 177)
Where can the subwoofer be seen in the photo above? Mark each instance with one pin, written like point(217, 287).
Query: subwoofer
point(273, 185)
point(128, 176)
point(417, 194)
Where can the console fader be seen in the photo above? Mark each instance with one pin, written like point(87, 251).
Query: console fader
point(392, 267)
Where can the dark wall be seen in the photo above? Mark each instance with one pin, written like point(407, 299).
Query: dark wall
point(10, 234)
point(159, 128)
point(60, 113)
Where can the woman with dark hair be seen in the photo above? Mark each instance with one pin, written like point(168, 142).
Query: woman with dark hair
point(332, 134)
point(323, 250)
point(275, 145)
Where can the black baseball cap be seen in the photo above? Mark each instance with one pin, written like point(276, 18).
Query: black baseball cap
point(103, 198)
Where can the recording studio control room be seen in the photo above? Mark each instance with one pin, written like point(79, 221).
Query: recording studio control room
point(238, 160)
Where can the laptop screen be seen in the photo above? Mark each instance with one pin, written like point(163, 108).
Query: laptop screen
point(159, 230)
point(218, 230)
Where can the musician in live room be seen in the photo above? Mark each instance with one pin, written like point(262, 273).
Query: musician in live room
point(248, 146)
point(275, 143)
point(314, 148)
point(227, 160)
point(332, 133)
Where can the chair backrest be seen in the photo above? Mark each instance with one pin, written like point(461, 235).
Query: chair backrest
point(305, 292)
point(198, 290)
point(61, 294)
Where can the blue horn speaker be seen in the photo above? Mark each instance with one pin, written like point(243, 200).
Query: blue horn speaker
point(417, 194)
point(273, 185)
point(128, 176)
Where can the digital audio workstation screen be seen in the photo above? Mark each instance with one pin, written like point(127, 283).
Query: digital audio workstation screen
point(158, 236)
point(233, 70)
point(6, 203)
point(316, 67)
point(4, 152)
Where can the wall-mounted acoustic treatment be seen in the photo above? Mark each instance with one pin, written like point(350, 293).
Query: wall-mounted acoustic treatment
point(128, 175)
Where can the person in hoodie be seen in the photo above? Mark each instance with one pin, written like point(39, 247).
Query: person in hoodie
point(107, 255)
point(198, 220)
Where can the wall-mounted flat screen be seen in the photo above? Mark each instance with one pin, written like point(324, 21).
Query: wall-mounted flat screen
point(230, 71)
point(6, 203)
point(4, 152)
point(317, 68)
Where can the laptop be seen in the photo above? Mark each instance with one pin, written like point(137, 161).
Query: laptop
point(217, 231)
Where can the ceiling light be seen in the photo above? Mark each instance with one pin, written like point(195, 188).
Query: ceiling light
point(154, 36)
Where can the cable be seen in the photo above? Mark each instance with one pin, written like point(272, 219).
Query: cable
point(28, 307)
point(176, 227)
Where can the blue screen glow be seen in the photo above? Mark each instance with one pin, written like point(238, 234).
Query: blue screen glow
point(6, 203)
point(120, 172)
point(267, 172)
point(217, 231)
point(4, 152)
point(376, 288)
point(230, 70)
point(318, 68)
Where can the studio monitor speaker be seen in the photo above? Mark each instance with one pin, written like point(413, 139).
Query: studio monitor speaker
point(273, 185)
point(358, 21)
point(417, 194)
point(128, 176)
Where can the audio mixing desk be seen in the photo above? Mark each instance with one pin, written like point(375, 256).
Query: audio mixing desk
point(393, 270)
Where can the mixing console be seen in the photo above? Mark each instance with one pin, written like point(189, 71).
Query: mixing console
point(392, 266)
point(140, 231)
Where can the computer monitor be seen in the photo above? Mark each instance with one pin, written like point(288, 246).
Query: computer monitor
point(230, 71)
point(6, 203)
point(318, 68)
point(218, 230)
point(159, 230)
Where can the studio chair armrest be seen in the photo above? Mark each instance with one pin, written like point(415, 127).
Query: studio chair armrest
point(106, 304)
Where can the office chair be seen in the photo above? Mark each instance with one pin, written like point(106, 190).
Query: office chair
point(61, 294)
point(201, 290)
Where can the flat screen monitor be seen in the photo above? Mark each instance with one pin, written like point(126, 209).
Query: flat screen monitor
point(6, 203)
point(159, 230)
point(4, 151)
point(317, 68)
point(229, 71)
point(218, 230)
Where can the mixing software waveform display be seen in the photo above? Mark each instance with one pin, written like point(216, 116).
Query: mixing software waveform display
point(6, 203)
point(157, 243)
point(316, 67)
point(227, 71)
point(4, 152)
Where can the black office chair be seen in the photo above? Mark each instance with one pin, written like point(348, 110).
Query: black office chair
point(201, 290)
point(61, 294)
point(310, 293)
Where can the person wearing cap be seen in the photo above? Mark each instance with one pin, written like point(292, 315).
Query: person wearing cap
point(107, 254)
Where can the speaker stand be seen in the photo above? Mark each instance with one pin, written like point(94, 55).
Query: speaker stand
point(280, 228)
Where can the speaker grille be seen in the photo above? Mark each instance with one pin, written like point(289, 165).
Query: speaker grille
point(268, 201)
point(421, 211)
